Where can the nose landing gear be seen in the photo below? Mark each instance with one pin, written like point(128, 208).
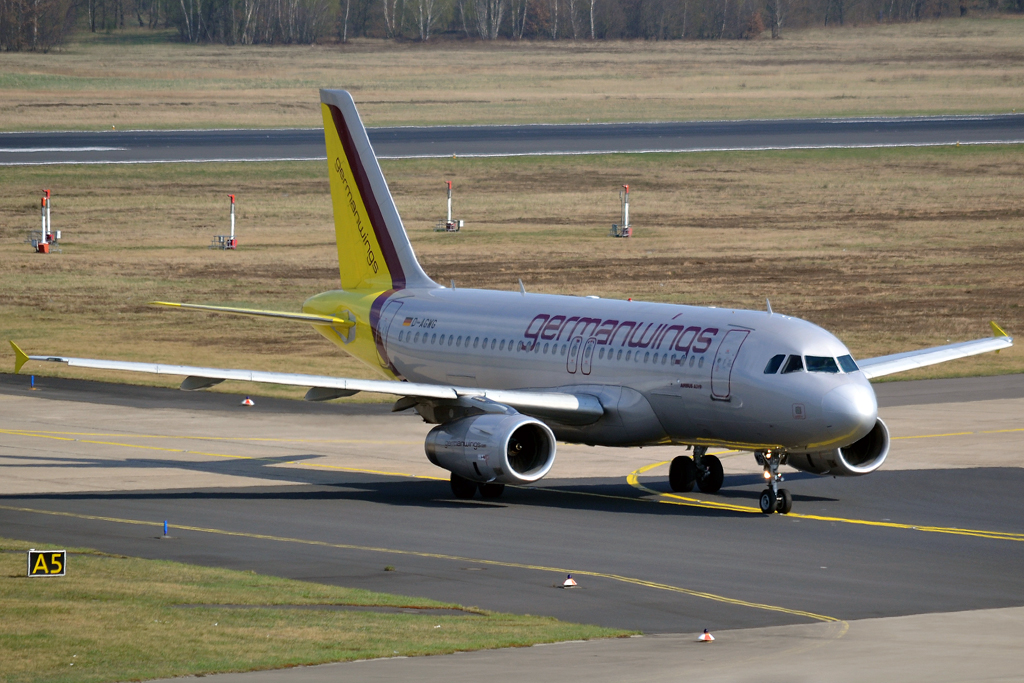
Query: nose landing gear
point(773, 499)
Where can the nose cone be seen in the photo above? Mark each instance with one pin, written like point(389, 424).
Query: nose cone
point(850, 411)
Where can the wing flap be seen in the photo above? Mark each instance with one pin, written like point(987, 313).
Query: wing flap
point(910, 360)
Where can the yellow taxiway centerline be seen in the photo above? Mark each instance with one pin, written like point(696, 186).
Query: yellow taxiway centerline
point(452, 558)
point(675, 499)
point(632, 479)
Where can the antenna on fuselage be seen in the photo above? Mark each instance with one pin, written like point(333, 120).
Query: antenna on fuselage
point(769, 302)
point(453, 283)
point(522, 288)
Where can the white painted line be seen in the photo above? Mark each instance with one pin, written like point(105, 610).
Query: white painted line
point(12, 150)
point(692, 150)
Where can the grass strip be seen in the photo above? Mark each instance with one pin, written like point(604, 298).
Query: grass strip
point(115, 618)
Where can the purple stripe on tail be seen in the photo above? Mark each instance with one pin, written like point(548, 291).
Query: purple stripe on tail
point(380, 228)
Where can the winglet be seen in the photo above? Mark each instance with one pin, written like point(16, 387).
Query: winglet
point(996, 330)
point(20, 357)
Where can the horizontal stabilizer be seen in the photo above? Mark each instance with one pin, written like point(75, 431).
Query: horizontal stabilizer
point(285, 315)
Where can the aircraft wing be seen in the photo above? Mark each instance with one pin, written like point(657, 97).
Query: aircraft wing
point(901, 362)
point(571, 408)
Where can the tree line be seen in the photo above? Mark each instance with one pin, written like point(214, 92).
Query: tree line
point(41, 24)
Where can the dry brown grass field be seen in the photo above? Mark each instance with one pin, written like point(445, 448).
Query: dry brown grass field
point(890, 249)
point(140, 80)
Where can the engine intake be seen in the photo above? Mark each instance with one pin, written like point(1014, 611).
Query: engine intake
point(861, 457)
point(506, 449)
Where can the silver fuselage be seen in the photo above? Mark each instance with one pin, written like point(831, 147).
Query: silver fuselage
point(664, 373)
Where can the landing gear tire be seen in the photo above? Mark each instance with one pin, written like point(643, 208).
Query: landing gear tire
point(682, 473)
point(491, 490)
point(711, 479)
point(785, 502)
point(768, 502)
point(463, 488)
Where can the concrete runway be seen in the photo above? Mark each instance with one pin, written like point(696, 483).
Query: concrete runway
point(441, 141)
point(333, 493)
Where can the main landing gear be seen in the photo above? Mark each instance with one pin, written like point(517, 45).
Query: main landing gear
point(703, 470)
point(466, 488)
point(773, 499)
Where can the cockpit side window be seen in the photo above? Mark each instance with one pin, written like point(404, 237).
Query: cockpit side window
point(847, 364)
point(774, 364)
point(794, 364)
point(822, 364)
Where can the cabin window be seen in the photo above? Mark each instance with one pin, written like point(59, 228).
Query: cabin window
point(433, 339)
point(774, 364)
point(618, 356)
point(493, 342)
point(417, 338)
point(822, 364)
point(847, 364)
point(476, 342)
point(664, 358)
point(501, 347)
point(628, 354)
point(601, 353)
point(794, 364)
point(692, 358)
point(546, 348)
point(458, 342)
point(655, 359)
point(700, 363)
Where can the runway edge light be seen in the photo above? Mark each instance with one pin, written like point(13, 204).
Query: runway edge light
point(569, 582)
point(248, 402)
point(705, 637)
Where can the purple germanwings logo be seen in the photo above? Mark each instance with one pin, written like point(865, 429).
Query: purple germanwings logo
point(624, 333)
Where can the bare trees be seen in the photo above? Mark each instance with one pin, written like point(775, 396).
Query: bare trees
point(776, 11)
point(426, 16)
point(34, 24)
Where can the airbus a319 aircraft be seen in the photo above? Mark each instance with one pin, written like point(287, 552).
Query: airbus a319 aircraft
point(504, 375)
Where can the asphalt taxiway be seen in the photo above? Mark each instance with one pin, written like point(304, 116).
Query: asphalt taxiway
point(334, 493)
point(149, 146)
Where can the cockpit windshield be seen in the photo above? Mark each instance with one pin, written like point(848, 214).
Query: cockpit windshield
point(821, 364)
point(847, 363)
point(794, 364)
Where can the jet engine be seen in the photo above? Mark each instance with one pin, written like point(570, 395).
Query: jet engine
point(861, 457)
point(505, 449)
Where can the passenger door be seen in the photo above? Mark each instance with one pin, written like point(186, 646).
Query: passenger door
point(725, 358)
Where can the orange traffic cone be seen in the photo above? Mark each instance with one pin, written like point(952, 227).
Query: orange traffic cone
point(705, 637)
point(569, 582)
point(248, 402)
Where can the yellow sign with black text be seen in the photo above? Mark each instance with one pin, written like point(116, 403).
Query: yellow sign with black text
point(47, 562)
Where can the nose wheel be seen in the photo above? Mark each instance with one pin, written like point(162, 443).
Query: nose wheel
point(773, 499)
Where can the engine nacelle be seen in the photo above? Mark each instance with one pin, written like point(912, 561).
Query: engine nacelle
point(861, 457)
point(506, 449)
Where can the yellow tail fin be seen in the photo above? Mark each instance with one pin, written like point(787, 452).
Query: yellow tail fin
point(373, 249)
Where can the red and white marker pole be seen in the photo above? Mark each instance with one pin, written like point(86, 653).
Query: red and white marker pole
point(49, 226)
point(449, 183)
point(232, 218)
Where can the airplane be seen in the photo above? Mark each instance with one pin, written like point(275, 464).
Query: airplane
point(505, 375)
